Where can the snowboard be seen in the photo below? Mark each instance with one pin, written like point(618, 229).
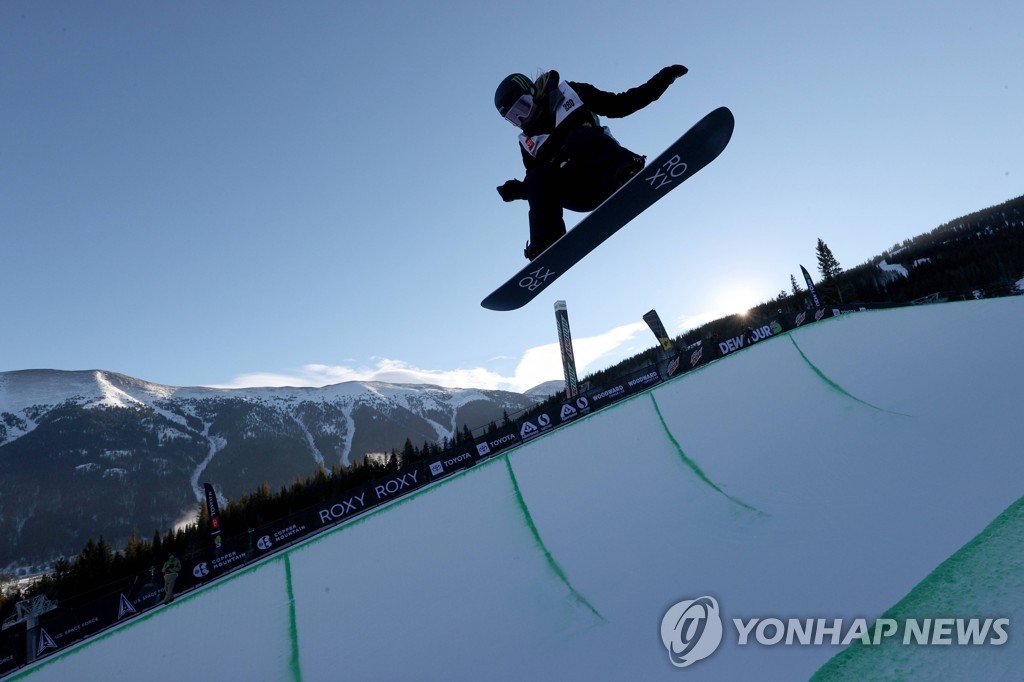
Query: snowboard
point(698, 147)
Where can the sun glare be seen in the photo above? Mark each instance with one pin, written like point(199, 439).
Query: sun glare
point(736, 300)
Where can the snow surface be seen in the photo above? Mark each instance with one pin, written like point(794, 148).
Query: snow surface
point(893, 268)
point(866, 463)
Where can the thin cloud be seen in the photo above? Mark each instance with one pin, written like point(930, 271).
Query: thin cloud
point(537, 365)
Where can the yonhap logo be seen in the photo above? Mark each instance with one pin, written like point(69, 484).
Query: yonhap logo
point(691, 630)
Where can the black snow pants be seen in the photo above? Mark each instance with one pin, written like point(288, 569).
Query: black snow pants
point(588, 169)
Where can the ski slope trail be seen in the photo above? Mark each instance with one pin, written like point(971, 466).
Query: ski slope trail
point(865, 463)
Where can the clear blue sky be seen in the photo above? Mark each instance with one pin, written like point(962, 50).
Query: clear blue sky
point(255, 193)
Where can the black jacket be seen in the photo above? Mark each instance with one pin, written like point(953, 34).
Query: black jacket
point(595, 103)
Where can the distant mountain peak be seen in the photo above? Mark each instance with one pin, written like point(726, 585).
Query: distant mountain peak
point(109, 453)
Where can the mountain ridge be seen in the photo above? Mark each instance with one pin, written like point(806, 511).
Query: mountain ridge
point(87, 452)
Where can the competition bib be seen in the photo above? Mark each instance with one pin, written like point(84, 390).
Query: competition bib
point(568, 102)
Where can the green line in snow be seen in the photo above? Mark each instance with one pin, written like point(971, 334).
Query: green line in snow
point(540, 543)
point(964, 584)
point(836, 387)
point(294, 664)
point(693, 466)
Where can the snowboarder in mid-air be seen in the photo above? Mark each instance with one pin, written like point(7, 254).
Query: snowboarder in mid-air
point(572, 161)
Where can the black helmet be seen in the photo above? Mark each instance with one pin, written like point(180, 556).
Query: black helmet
point(510, 90)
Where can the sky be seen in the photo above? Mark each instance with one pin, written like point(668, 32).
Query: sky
point(269, 193)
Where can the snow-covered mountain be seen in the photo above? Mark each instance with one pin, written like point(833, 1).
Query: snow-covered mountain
point(94, 452)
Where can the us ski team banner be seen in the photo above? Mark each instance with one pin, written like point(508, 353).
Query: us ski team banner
point(565, 344)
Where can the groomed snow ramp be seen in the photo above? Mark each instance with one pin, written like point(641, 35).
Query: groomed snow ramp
point(868, 463)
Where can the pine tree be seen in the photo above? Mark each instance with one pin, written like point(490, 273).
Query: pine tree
point(794, 287)
point(829, 267)
point(157, 544)
point(408, 452)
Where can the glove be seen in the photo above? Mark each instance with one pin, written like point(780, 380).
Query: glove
point(512, 190)
point(669, 74)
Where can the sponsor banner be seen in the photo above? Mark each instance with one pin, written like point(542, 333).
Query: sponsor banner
point(145, 592)
point(129, 604)
point(450, 464)
point(809, 316)
point(600, 397)
point(696, 357)
point(348, 504)
point(290, 532)
point(838, 310)
point(630, 385)
point(12, 649)
point(274, 536)
point(196, 570)
point(493, 443)
point(565, 344)
point(571, 409)
point(642, 381)
point(674, 366)
point(783, 322)
point(40, 643)
point(232, 557)
point(658, 328)
point(787, 321)
point(691, 358)
point(749, 337)
point(62, 628)
point(203, 567)
point(357, 500)
point(391, 488)
point(810, 287)
point(213, 510)
point(535, 426)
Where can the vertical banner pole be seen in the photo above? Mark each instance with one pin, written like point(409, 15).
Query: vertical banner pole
point(565, 345)
point(810, 287)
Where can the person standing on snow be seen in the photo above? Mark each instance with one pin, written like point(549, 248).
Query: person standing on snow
point(171, 569)
point(572, 162)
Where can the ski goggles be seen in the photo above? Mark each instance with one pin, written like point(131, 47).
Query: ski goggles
point(520, 111)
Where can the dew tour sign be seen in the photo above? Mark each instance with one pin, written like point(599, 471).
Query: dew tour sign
point(750, 336)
